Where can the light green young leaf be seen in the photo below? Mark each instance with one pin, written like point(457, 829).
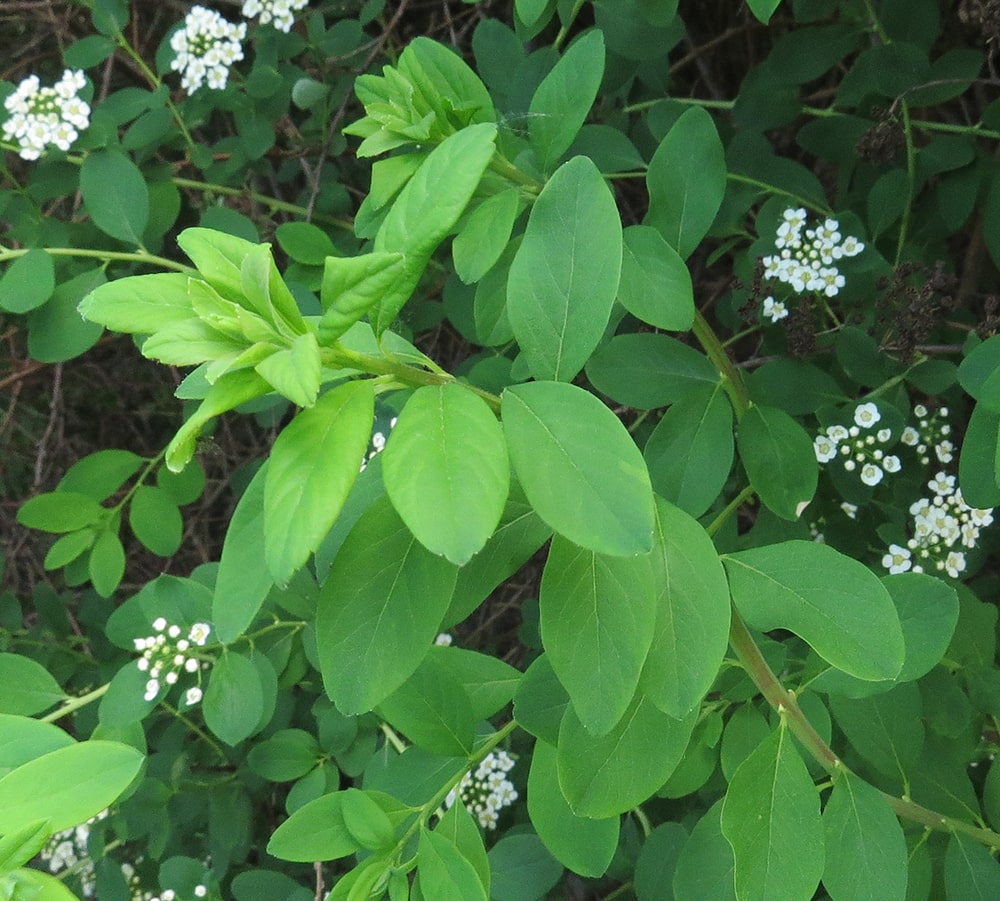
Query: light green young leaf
point(265, 292)
point(190, 343)
point(613, 773)
point(18, 847)
point(101, 474)
point(314, 462)
point(25, 738)
point(584, 846)
point(241, 583)
point(60, 511)
point(866, 855)
point(234, 698)
point(771, 818)
point(579, 467)
point(484, 235)
point(598, 615)
point(446, 470)
point(692, 614)
point(655, 284)
point(80, 781)
point(140, 304)
point(427, 209)
point(28, 282)
point(231, 390)
point(836, 604)
point(686, 181)
point(294, 373)
point(116, 195)
point(562, 101)
point(351, 287)
point(34, 884)
point(218, 257)
point(564, 276)
point(778, 456)
point(445, 873)
point(155, 520)
point(379, 610)
point(106, 564)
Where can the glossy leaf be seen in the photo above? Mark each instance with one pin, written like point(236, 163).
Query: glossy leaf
point(582, 845)
point(562, 101)
point(771, 818)
point(579, 467)
point(446, 471)
point(612, 774)
point(835, 603)
point(379, 610)
point(598, 615)
point(314, 463)
point(866, 854)
point(564, 276)
point(778, 456)
point(692, 614)
point(686, 180)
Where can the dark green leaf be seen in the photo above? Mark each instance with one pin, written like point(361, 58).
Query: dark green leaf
point(234, 699)
point(116, 196)
point(28, 282)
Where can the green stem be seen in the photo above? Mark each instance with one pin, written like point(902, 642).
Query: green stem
point(786, 704)
point(730, 509)
point(107, 256)
point(70, 705)
point(911, 168)
point(564, 29)
point(732, 381)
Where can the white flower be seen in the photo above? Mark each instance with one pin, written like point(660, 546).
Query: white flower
point(443, 639)
point(192, 696)
point(825, 449)
point(890, 463)
point(159, 624)
point(954, 563)
point(276, 12)
point(944, 451)
point(871, 474)
point(205, 48)
point(43, 116)
point(774, 309)
point(910, 436)
point(866, 415)
point(200, 891)
point(897, 560)
point(199, 633)
point(152, 690)
point(942, 484)
point(850, 509)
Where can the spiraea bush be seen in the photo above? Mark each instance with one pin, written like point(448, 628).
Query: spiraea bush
point(553, 453)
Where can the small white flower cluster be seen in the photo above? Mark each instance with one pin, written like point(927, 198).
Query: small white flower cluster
point(486, 790)
point(280, 13)
point(164, 655)
point(932, 433)
point(377, 444)
point(857, 446)
point(940, 522)
point(42, 116)
point(68, 849)
point(206, 47)
point(200, 891)
point(806, 259)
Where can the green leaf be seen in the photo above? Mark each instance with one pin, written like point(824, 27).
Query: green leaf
point(763, 9)
point(979, 373)
point(427, 209)
point(286, 755)
point(106, 565)
point(234, 698)
point(562, 101)
point(459, 827)
point(835, 603)
point(579, 467)
point(655, 285)
point(484, 235)
point(18, 847)
point(604, 776)
point(156, 521)
point(778, 456)
point(690, 452)
point(705, 864)
point(657, 862)
point(80, 781)
point(379, 610)
point(598, 615)
point(445, 873)
point(540, 701)
point(28, 883)
point(140, 304)
point(294, 373)
point(432, 709)
point(979, 460)
point(316, 831)
point(367, 822)
point(305, 243)
point(265, 292)
point(313, 465)
point(887, 730)
point(218, 257)
point(24, 739)
point(692, 614)
point(584, 846)
point(771, 818)
point(28, 282)
point(241, 583)
point(60, 511)
point(564, 276)
point(352, 286)
point(231, 390)
point(446, 471)
point(116, 195)
point(686, 181)
point(101, 474)
point(866, 856)
point(26, 687)
point(489, 683)
point(68, 548)
point(521, 868)
point(56, 331)
point(971, 873)
point(648, 370)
